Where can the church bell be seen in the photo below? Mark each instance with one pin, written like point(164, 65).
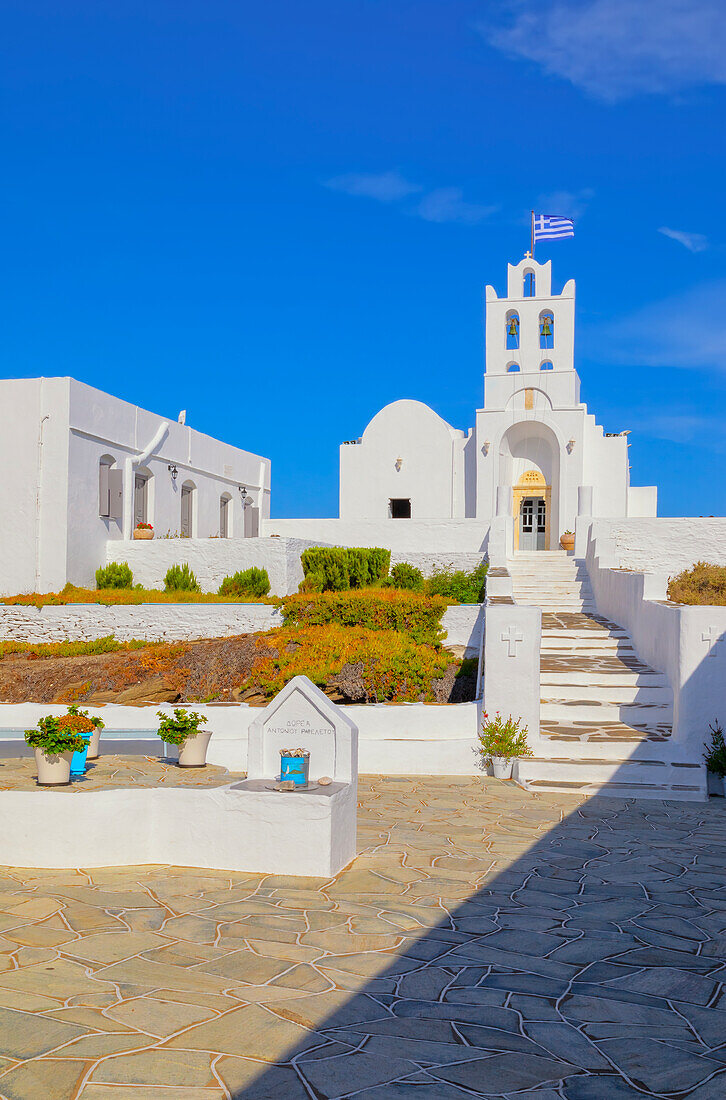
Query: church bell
point(512, 327)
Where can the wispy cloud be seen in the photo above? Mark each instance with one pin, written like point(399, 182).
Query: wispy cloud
point(682, 427)
point(686, 330)
point(694, 242)
point(614, 49)
point(446, 204)
point(570, 204)
point(383, 186)
point(442, 204)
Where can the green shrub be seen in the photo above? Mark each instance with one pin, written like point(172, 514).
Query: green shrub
point(715, 754)
point(246, 582)
point(458, 585)
point(405, 575)
point(180, 578)
point(342, 567)
point(185, 723)
point(411, 613)
point(502, 737)
point(114, 575)
point(701, 584)
point(56, 735)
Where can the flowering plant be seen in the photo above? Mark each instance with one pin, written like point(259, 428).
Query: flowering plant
point(54, 736)
point(502, 737)
point(144, 527)
point(185, 723)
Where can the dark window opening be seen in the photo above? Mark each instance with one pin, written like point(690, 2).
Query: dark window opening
point(400, 508)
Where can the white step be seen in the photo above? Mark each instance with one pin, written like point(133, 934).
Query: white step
point(632, 714)
point(626, 676)
point(607, 693)
point(597, 770)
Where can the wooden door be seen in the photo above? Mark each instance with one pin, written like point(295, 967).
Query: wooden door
point(541, 524)
point(224, 517)
point(526, 524)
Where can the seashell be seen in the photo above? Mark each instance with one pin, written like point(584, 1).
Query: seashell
point(325, 781)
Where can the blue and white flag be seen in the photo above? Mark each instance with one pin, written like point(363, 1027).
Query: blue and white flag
point(550, 227)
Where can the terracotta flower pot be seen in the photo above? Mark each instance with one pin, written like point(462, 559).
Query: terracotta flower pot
point(502, 767)
point(193, 753)
point(143, 533)
point(53, 771)
point(567, 542)
point(92, 753)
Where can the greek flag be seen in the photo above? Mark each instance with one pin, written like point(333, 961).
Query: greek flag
point(550, 227)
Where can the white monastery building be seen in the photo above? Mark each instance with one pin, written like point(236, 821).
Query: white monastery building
point(535, 453)
point(82, 469)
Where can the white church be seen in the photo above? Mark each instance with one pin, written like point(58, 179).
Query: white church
point(535, 453)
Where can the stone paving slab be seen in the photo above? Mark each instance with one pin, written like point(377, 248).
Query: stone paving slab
point(111, 772)
point(486, 942)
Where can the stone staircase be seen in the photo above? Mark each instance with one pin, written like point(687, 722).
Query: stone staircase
point(605, 716)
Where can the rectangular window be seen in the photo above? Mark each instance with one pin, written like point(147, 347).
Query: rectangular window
point(400, 508)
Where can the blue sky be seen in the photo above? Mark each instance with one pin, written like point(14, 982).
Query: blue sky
point(282, 216)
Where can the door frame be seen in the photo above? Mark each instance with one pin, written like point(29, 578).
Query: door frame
point(532, 484)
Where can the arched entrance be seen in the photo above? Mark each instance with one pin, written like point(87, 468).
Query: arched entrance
point(532, 511)
point(529, 464)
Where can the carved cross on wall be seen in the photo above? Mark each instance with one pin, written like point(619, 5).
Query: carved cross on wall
point(712, 637)
point(512, 637)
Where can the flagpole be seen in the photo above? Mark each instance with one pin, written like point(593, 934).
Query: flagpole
point(533, 234)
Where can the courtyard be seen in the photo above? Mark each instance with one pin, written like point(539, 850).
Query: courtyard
point(486, 942)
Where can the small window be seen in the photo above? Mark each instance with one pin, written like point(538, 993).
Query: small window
point(546, 364)
point(547, 330)
point(512, 330)
point(513, 367)
point(400, 508)
point(529, 284)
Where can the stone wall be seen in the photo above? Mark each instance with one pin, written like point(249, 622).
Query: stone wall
point(431, 562)
point(166, 622)
point(666, 545)
point(213, 559)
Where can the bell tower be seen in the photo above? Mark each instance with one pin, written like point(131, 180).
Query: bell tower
point(530, 332)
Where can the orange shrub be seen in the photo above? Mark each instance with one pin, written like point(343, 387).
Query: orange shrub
point(374, 608)
point(392, 665)
point(701, 584)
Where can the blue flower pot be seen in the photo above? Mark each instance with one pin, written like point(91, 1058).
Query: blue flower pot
point(295, 768)
point(78, 762)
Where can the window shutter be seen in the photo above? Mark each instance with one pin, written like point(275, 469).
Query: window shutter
point(104, 508)
point(115, 493)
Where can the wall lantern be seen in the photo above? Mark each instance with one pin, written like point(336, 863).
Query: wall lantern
point(173, 471)
point(485, 447)
point(570, 446)
point(399, 464)
point(246, 499)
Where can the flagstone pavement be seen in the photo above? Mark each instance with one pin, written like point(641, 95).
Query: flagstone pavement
point(487, 942)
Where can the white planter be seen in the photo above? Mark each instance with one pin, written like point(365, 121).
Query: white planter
point(502, 767)
point(92, 753)
point(53, 771)
point(715, 784)
point(193, 753)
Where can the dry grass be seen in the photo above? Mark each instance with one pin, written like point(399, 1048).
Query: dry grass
point(701, 584)
point(110, 596)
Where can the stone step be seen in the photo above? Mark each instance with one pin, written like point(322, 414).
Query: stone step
point(598, 770)
point(601, 733)
point(618, 675)
point(674, 793)
point(586, 710)
point(616, 694)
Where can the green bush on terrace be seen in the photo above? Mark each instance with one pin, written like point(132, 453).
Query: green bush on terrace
point(116, 574)
point(246, 582)
point(337, 568)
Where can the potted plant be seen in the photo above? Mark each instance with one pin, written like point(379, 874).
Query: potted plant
point(92, 725)
point(55, 742)
point(183, 730)
point(567, 540)
point(502, 740)
point(715, 757)
point(143, 531)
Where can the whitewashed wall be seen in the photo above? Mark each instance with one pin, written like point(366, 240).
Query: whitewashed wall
point(401, 536)
point(665, 545)
point(411, 739)
point(213, 559)
point(164, 622)
point(431, 563)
